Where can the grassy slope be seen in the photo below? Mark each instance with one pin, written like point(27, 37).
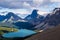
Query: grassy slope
point(2, 29)
point(8, 29)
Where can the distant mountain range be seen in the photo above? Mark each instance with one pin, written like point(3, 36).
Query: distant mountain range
point(33, 18)
point(9, 17)
point(12, 20)
point(32, 21)
point(50, 21)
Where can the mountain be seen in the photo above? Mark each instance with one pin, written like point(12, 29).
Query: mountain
point(24, 25)
point(50, 34)
point(34, 18)
point(9, 17)
point(6, 24)
point(2, 18)
point(51, 20)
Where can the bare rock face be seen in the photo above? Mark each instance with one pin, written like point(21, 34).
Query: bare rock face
point(50, 20)
point(34, 18)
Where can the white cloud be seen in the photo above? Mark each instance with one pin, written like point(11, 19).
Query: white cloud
point(27, 5)
point(14, 3)
point(42, 12)
point(17, 11)
point(22, 11)
point(37, 3)
point(23, 3)
point(58, 5)
point(55, 0)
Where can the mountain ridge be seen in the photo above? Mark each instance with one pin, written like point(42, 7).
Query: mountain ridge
point(51, 20)
point(11, 16)
point(34, 18)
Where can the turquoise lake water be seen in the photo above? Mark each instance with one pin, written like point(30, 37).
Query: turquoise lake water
point(20, 33)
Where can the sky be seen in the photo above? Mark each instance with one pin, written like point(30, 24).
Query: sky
point(26, 6)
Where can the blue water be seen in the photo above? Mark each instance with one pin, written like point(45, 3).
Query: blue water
point(20, 33)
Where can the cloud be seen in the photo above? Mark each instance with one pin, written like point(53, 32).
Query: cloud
point(16, 11)
point(29, 5)
point(42, 12)
point(38, 2)
point(10, 3)
point(15, 4)
point(22, 3)
point(55, 0)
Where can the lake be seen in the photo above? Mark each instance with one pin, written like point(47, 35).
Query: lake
point(20, 33)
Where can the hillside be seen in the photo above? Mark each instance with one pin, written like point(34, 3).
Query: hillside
point(6, 30)
point(50, 21)
point(50, 34)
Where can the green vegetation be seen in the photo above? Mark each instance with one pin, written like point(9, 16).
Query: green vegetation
point(6, 30)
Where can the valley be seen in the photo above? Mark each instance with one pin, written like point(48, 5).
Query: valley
point(13, 27)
